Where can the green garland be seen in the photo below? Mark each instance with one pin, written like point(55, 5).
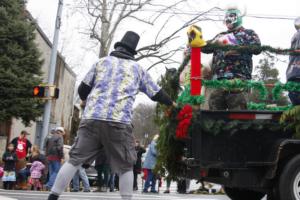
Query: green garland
point(249, 49)
point(186, 98)
point(263, 106)
point(289, 86)
point(238, 84)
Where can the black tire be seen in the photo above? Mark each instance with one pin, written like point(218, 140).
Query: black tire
point(289, 178)
point(243, 194)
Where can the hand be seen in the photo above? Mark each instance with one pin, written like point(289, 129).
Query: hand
point(174, 104)
point(232, 53)
point(206, 73)
point(83, 104)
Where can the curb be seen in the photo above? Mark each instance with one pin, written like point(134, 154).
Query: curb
point(6, 198)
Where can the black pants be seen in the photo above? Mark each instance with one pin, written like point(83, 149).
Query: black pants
point(8, 185)
point(135, 176)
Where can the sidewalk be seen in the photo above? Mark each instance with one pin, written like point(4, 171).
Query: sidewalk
point(5, 198)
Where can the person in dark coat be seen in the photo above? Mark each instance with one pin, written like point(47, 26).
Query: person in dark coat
point(137, 168)
point(293, 70)
point(9, 158)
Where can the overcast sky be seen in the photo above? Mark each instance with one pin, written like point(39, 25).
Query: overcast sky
point(81, 54)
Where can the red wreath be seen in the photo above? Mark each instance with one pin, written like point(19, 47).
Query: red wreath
point(184, 121)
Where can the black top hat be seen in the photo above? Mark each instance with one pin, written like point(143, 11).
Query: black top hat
point(130, 41)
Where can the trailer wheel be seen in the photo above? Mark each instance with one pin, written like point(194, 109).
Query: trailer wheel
point(243, 194)
point(289, 182)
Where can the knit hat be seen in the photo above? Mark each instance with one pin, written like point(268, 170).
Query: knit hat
point(60, 129)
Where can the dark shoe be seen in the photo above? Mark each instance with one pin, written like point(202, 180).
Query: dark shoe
point(86, 190)
point(166, 191)
point(145, 191)
point(53, 197)
point(154, 191)
point(73, 190)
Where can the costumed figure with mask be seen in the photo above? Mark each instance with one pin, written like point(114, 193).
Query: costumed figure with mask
point(232, 64)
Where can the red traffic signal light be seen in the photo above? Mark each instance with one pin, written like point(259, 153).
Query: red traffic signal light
point(46, 92)
point(39, 91)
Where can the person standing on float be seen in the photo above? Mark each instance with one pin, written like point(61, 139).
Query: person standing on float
point(231, 64)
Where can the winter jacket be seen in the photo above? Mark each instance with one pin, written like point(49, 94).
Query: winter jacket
point(54, 146)
point(293, 70)
point(36, 169)
point(138, 165)
point(9, 159)
point(225, 66)
point(150, 159)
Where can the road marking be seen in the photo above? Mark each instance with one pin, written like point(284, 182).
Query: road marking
point(92, 196)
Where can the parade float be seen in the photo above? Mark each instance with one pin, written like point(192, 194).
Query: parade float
point(251, 153)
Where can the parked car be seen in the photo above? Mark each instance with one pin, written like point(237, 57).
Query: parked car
point(92, 174)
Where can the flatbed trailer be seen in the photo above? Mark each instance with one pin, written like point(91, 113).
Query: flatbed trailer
point(251, 156)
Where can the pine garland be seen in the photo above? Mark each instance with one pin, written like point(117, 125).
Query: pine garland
point(289, 86)
point(250, 49)
point(291, 119)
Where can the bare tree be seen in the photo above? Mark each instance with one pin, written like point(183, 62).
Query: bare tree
point(143, 122)
point(105, 17)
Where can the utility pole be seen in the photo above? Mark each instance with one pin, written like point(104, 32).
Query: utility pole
point(47, 110)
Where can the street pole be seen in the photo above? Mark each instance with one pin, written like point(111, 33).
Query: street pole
point(51, 75)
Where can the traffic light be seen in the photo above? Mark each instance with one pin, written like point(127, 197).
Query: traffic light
point(39, 91)
point(46, 92)
point(53, 92)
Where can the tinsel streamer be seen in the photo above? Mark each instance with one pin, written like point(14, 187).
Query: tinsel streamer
point(238, 84)
point(186, 98)
point(263, 106)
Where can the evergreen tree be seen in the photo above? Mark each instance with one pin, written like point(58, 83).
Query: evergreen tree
point(20, 63)
point(267, 73)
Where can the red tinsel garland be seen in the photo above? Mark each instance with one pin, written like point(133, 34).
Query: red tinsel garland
point(184, 121)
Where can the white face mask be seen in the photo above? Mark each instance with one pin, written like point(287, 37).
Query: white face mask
point(230, 18)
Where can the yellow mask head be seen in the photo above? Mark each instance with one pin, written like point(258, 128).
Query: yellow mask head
point(195, 36)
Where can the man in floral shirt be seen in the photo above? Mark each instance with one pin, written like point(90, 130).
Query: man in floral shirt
point(232, 64)
point(110, 89)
